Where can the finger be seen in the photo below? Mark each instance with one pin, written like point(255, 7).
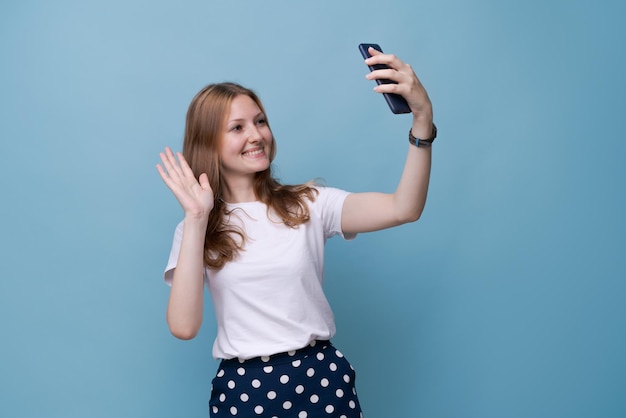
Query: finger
point(184, 165)
point(170, 163)
point(165, 177)
point(166, 168)
point(162, 172)
point(204, 182)
point(166, 164)
point(373, 51)
point(173, 161)
point(388, 59)
point(389, 88)
point(388, 74)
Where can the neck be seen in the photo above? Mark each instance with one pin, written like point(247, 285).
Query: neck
point(238, 192)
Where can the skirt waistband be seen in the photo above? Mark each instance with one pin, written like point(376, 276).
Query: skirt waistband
point(312, 348)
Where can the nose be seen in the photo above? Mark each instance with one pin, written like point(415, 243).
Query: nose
point(254, 134)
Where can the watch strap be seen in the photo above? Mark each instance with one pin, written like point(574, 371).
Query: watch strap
point(423, 143)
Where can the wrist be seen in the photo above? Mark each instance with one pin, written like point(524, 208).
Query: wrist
point(423, 141)
point(199, 219)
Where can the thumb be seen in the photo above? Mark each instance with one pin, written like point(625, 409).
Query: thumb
point(204, 181)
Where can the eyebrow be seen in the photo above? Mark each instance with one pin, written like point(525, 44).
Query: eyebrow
point(242, 119)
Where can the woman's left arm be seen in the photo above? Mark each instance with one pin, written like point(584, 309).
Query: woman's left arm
point(364, 212)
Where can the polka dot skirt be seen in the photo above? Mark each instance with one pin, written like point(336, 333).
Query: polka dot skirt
point(313, 382)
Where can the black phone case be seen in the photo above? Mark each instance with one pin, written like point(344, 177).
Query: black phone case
point(396, 103)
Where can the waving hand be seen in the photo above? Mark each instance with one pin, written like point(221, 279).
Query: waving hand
point(194, 195)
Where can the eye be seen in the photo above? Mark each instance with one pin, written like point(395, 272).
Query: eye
point(261, 121)
point(236, 128)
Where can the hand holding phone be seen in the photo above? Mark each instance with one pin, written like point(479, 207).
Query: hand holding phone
point(396, 103)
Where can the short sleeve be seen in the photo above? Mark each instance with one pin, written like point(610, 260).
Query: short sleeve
point(173, 259)
point(329, 204)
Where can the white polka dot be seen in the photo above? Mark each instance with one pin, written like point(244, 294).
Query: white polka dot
point(241, 360)
point(352, 404)
point(339, 393)
point(310, 372)
point(258, 409)
point(325, 383)
point(291, 352)
point(244, 397)
point(220, 373)
point(320, 356)
point(231, 384)
point(241, 371)
point(338, 353)
point(312, 344)
point(271, 395)
point(286, 405)
point(329, 409)
point(343, 416)
point(268, 369)
point(346, 378)
point(332, 367)
point(233, 410)
point(265, 358)
point(222, 397)
point(296, 363)
point(299, 389)
point(215, 409)
point(303, 414)
point(256, 383)
point(284, 379)
point(314, 399)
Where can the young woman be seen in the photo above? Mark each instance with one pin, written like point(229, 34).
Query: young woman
point(258, 246)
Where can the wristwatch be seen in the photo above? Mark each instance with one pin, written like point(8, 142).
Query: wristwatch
point(423, 143)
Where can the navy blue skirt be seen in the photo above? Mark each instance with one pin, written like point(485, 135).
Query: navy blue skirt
point(315, 381)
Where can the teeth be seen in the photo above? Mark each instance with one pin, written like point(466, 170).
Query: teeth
point(253, 153)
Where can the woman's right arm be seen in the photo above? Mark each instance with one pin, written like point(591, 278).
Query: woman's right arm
point(184, 308)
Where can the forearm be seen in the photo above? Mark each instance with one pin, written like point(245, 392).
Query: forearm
point(184, 309)
point(365, 212)
point(409, 198)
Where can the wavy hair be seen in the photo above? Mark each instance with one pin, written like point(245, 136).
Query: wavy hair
point(204, 127)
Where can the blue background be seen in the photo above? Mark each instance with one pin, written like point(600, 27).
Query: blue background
point(505, 300)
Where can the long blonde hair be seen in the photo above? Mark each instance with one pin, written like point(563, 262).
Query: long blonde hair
point(204, 127)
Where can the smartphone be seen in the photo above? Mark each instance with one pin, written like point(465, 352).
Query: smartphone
point(396, 103)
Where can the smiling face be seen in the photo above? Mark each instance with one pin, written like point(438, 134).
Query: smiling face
point(246, 143)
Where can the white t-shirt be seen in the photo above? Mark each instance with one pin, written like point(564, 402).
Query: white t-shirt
point(269, 299)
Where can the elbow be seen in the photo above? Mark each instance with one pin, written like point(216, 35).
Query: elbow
point(184, 333)
point(414, 218)
point(183, 328)
point(408, 211)
point(409, 216)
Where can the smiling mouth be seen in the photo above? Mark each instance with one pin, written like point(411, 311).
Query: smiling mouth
point(254, 153)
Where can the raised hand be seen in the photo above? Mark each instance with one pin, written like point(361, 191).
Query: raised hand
point(194, 195)
point(408, 85)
